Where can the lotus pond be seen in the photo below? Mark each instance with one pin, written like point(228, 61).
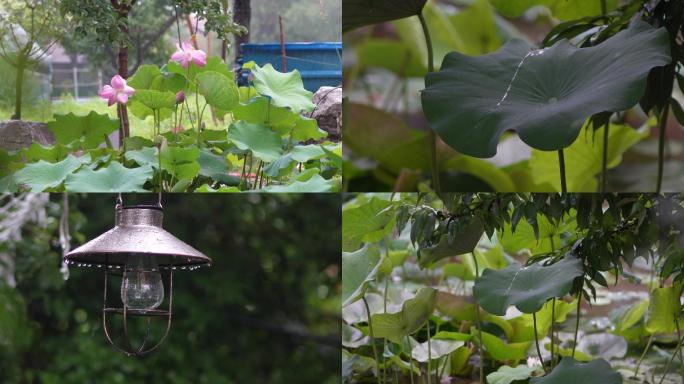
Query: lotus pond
point(512, 288)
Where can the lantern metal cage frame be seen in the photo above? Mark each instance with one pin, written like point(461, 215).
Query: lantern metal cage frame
point(137, 231)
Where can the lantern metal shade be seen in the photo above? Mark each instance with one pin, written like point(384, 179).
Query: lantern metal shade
point(138, 230)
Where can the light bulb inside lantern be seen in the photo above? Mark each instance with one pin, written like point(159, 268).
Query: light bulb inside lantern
point(142, 286)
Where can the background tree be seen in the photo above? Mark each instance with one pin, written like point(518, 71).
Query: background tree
point(110, 24)
point(29, 29)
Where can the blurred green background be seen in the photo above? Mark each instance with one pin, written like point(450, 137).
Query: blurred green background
point(267, 311)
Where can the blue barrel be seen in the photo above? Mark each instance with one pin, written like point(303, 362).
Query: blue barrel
point(319, 63)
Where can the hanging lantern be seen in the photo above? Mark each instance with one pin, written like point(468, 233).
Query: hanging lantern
point(140, 251)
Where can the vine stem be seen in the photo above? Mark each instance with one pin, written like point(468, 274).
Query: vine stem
point(384, 343)
point(479, 323)
point(372, 338)
point(667, 367)
point(561, 163)
point(577, 318)
point(661, 145)
point(643, 354)
point(429, 364)
point(604, 159)
point(681, 356)
point(553, 320)
point(536, 341)
point(408, 341)
point(433, 136)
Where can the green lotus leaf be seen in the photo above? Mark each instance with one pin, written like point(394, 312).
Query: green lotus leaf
point(414, 313)
point(114, 178)
point(180, 162)
point(527, 288)
point(258, 138)
point(438, 348)
point(358, 13)
point(561, 9)
point(315, 184)
point(500, 350)
point(507, 375)
point(218, 90)
point(154, 99)
point(42, 175)
point(50, 154)
point(307, 129)
point(146, 156)
point(284, 89)
point(358, 269)
point(543, 95)
point(90, 129)
point(304, 153)
point(144, 76)
point(280, 167)
point(214, 64)
point(368, 222)
point(570, 371)
point(261, 110)
point(383, 53)
point(662, 310)
point(216, 167)
point(583, 157)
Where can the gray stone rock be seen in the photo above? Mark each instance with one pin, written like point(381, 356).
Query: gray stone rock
point(328, 112)
point(17, 134)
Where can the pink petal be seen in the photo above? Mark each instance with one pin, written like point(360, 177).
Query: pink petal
point(187, 46)
point(199, 58)
point(178, 56)
point(118, 82)
point(111, 101)
point(122, 98)
point(128, 90)
point(107, 92)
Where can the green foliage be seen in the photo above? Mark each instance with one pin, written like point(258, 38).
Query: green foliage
point(257, 147)
point(284, 89)
point(507, 375)
point(528, 288)
point(565, 243)
point(357, 13)
point(218, 90)
point(358, 269)
point(88, 131)
point(570, 371)
point(413, 315)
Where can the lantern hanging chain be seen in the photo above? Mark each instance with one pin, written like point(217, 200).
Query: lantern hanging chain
point(64, 237)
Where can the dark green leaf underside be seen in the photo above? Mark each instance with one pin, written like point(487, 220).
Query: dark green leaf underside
point(544, 96)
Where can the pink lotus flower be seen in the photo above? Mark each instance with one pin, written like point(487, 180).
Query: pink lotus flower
point(119, 91)
point(186, 54)
point(180, 97)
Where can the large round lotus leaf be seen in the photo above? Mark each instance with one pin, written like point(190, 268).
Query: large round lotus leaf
point(570, 371)
point(357, 13)
point(528, 288)
point(543, 95)
point(358, 270)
